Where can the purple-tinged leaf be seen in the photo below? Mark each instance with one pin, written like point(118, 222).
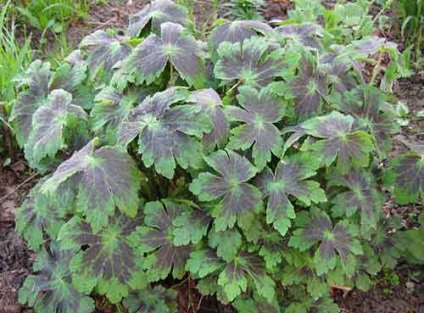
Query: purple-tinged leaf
point(203, 262)
point(166, 135)
point(211, 105)
point(306, 33)
point(109, 258)
point(157, 239)
point(367, 106)
point(190, 227)
point(338, 240)
point(51, 288)
point(36, 78)
point(37, 215)
point(237, 198)
point(339, 140)
point(289, 179)
point(237, 31)
point(309, 86)
point(113, 107)
point(248, 62)
point(106, 178)
point(105, 51)
point(157, 13)
point(338, 73)
point(176, 46)
point(406, 176)
point(234, 278)
point(362, 195)
point(152, 300)
point(48, 125)
point(258, 112)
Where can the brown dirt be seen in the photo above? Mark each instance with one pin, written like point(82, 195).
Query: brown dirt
point(15, 258)
point(405, 297)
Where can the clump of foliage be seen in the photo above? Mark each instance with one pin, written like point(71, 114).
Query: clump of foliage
point(411, 14)
point(51, 15)
point(14, 57)
point(250, 163)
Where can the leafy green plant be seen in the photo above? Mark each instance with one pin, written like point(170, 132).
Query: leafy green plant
point(249, 163)
point(412, 20)
point(50, 15)
point(14, 57)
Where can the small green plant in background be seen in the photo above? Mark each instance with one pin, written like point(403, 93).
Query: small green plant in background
point(14, 58)
point(52, 15)
point(411, 13)
point(246, 9)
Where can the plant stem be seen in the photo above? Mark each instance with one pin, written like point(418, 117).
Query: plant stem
point(7, 133)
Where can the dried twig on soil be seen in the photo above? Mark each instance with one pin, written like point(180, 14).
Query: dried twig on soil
point(18, 187)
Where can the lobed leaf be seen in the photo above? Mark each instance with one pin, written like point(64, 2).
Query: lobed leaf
point(351, 148)
point(406, 176)
point(48, 125)
point(36, 79)
point(37, 215)
point(289, 179)
point(237, 32)
point(157, 239)
point(248, 62)
point(258, 113)
point(105, 178)
point(211, 104)
point(203, 262)
point(152, 300)
point(237, 198)
point(104, 51)
point(51, 288)
point(157, 13)
point(109, 258)
point(361, 195)
point(339, 239)
point(166, 135)
point(175, 46)
point(309, 87)
point(246, 266)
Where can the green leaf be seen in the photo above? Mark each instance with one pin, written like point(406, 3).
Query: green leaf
point(39, 214)
point(226, 242)
point(152, 300)
point(246, 266)
point(157, 13)
point(109, 259)
point(51, 288)
point(258, 113)
point(176, 46)
point(340, 239)
point(248, 62)
point(203, 262)
point(190, 227)
point(238, 199)
point(362, 195)
point(289, 179)
point(49, 121)
point(338, 140)
point(166, 135)
point(104, 51)
point(36, 78)
point(105, 178)
point(406, 176)
point(157, 239)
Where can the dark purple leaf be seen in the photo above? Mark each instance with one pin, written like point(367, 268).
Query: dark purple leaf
point(237, 198)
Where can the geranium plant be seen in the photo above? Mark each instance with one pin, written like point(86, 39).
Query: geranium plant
point(249, 163)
